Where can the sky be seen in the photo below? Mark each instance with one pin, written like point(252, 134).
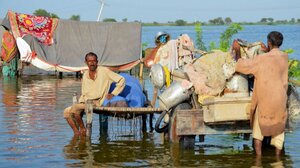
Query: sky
point(160, 10)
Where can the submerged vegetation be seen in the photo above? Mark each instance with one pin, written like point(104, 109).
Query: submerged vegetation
point(199, 43)
point(294, 69)
point(225, 38)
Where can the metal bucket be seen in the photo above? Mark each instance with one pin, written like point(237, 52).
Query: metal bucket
point(174, 95)
point(239, 85)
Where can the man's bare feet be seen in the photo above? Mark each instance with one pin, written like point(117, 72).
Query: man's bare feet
point(277, 152)
point(83, 132)
point(76, 132)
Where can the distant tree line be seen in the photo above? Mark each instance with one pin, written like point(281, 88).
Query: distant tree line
point(180, 22)
point(272, 21)
point(226, 21)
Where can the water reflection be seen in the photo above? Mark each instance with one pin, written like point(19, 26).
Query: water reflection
point(78, 149)
point(147, 153)
point(33, 133)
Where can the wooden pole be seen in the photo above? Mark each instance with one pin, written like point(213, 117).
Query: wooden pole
point(141, 70)
point(77, 75)
point(89, 117)
point(60, 75)
point(153, 102)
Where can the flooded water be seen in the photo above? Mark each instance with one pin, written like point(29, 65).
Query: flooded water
point(33, 132)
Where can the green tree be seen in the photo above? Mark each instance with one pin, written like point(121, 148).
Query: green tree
point(124, 20)
point(228, 20)
point(41, 12)
point(109, 20)
point(281, 21)
point(200, 44)
point(53, 15)
point(217, 21)
point(75, 17)
point(293, 20)
point(227, 35)
point(180, 22)
point(270, 20)
point(264, 20)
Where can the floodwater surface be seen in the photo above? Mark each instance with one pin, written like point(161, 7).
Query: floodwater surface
point(34, 134)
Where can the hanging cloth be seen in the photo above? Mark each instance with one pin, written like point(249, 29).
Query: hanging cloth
point(9, 47)
point(38, 26)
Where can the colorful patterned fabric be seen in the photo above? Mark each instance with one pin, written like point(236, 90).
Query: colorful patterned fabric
point(9, 47)
point(38, 26)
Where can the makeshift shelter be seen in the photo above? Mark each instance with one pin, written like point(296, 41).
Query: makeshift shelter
point(117, 45)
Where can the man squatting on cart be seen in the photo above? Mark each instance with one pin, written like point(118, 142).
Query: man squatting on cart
point(95, 86)
point(268, 106)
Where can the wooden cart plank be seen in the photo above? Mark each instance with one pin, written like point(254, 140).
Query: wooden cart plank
point(126, 110)
point(190, 122)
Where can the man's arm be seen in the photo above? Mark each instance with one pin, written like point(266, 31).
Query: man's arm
point(83, 91)
point(247, 66)
point(118, 79)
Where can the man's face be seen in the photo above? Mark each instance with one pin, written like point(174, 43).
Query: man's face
point(91, 62)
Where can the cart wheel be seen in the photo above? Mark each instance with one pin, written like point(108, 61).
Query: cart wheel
point(165, 127)
point(174, 138)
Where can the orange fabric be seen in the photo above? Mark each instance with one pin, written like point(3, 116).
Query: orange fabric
point(9, 47)
point(270, 89)
point(150, 56)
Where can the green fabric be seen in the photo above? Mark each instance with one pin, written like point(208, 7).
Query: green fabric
point(10, 69)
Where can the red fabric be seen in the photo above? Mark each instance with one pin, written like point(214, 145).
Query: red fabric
point(9, 47)
point(38, 26)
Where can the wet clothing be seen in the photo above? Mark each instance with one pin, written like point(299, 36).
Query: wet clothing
point(276, 140)
point(96, 89)
point(270, 89)
point(99, 88)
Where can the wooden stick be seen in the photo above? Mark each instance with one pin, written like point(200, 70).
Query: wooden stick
point(89, 117)
point(141, 70)
point(155, 92)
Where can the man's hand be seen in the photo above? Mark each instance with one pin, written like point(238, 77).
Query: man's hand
point(109, 96)
point(263, 47)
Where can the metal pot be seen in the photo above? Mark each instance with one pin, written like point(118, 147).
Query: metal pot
point(174, 95)
point(157, 76)
point(238, 84)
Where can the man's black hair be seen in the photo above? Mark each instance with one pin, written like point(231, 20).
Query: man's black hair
point(275, 38)
point(91, 54)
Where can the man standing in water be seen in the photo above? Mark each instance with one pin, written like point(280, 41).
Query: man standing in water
point(268, 106)
point(95, 86)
